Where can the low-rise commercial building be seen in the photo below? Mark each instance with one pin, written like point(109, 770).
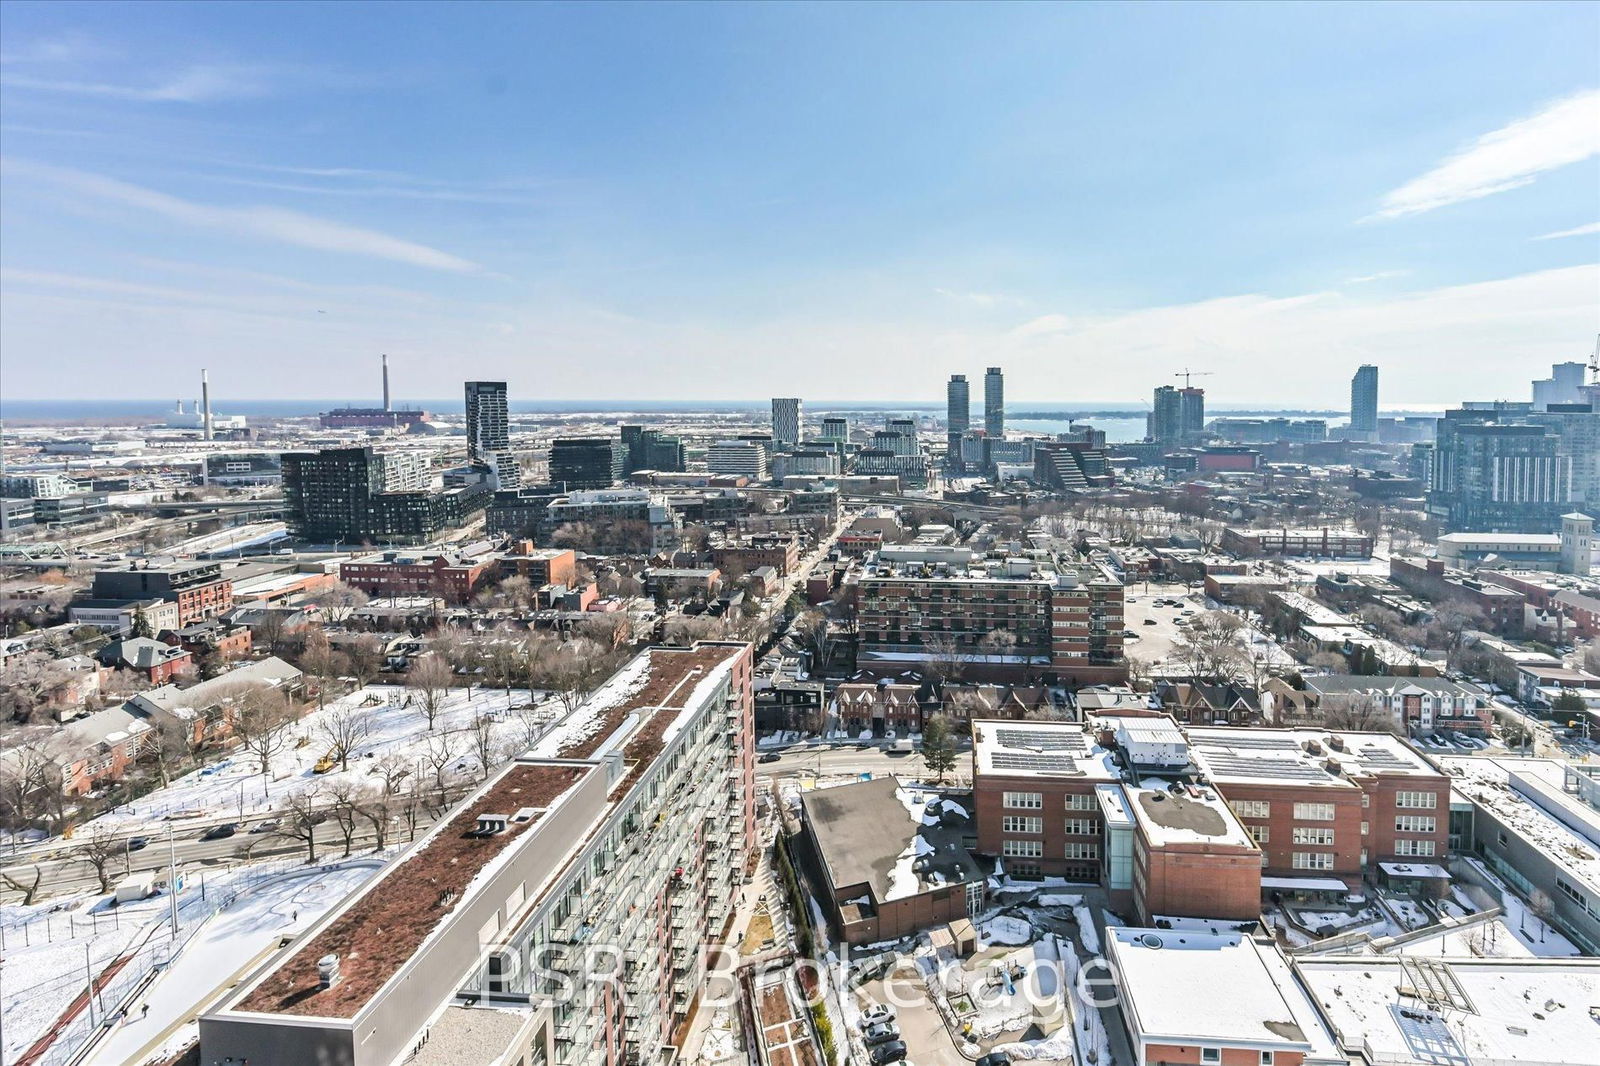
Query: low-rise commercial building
point(452, 577)
point(198, 588)
point(1321, 543)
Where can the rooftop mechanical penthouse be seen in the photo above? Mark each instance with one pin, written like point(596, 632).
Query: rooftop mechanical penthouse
point(611, 848)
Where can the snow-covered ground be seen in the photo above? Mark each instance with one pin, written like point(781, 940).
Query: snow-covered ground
point(236, 788)
point(227, 944)
point(41, 980)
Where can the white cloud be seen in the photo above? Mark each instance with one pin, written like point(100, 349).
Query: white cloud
point(1382, 275)
point(988, 301)
point(200, 84)
point(263, 223)
point(1564, 132)
point(1576, 231)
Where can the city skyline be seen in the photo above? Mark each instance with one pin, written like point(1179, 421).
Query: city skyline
point(577, 205)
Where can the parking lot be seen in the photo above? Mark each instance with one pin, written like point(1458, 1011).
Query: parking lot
point(1154, 627)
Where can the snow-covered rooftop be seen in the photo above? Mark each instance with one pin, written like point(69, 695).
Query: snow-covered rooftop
point(1534, 1011)
point(1301, 756)
point(1160, 971)
point(1545, 816)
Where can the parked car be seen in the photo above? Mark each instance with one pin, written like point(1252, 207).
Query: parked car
point(220, 832)
point(769, 756)
point(881, 1033)
point(877, 1015)
point(894, 1051)
point(995, 1058)
point(138, 843)
point(265, 827)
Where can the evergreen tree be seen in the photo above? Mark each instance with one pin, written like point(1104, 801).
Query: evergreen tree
point(938, 747)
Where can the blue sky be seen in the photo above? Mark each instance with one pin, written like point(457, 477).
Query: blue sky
point(846, 202)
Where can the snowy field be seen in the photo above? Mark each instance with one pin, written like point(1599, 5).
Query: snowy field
point(398, 728)
point(41, 980)
point(229, 943)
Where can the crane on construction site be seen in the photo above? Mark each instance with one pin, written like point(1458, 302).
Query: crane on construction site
point(1186, 374)
point(1594, 362)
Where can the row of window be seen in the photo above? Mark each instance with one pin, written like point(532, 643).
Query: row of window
point(1414, 848)
point(1034, 849)
point(1032, 824)
point(1323, 812)
point(1415, 823)
point(1034, 801)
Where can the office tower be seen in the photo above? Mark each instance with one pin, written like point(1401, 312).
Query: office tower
point(958, 416)
point(785, 421)
point(586, 462)
point(1364, 400)
point(1176, 415)
point(357, 495)
point(835, 429)
point(488, 420)
point(650, 449)
point(1564, 385)
point(994, 403)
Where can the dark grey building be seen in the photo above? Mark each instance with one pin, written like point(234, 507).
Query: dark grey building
point(650, 449)
point(1364, 400)
point(341, 495)
point(488, 420)
point(1177, 415)
point(1504, 468)
point(958, 418)
point(994, 403)
point(586, 462)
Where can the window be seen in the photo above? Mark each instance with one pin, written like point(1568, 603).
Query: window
point(1422, 848)
point(1210, 1055)
point(1017, 823)
point(1253, 809)
point(1417, 800)
point(1366, 828)
point(1313, 812)
point(1081, 827)
point(1259, 833)
point(1312, 860)
point(1322, 837)
point(1025, 801)
point(1414, 823)
point(1022, 849)
point(1083, 851)
point(1266, 1058)
point(1573, 894)
point(1080, 802)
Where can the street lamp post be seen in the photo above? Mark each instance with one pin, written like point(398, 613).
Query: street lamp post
point(172, 881)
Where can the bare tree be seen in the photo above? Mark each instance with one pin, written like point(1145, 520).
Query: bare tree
point(99, 848)
point(339, 601)
point(303, 812)
point(504, 665)
point(365, 658)
point(483, 742)
point(533, 721)
point(322, 661)
point(344, 729)
point(344, 807)
point(261, 720)
point(29, 889)
point(35, 682)
point(1361, 712)
point(948, 658)
point(574, 670)
point(998, 643)
point(429, 682)
point(32, 788)
point(439, 753)
point(684, 630)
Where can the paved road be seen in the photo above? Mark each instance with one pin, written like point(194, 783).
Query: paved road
point(830, 760)
point(63, 876)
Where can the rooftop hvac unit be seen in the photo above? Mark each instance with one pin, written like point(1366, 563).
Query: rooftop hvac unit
point(328, 971)
point(490, 824)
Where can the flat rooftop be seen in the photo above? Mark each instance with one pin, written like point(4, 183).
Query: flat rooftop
point(1040, 749)
point(1301, 756)
point(1534, 1011)
point(1161, 969)
point(1188, 815)
point(1527, 796)
point(877, 833)
point(378, 930)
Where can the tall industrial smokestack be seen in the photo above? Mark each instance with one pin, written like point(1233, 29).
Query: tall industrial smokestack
point(205, 399)
point(386, 384)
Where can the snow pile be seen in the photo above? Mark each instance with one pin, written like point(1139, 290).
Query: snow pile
point(1004, 929)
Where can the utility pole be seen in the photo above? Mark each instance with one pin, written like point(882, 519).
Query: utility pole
point(172, 882)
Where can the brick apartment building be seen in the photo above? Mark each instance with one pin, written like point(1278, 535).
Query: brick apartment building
point(541, 566)
point(1065, 617)
point(1502, 608)
point(198, 588)
point(628, 827)
point(451, 577)
point(883, 707)
point(781, 551)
